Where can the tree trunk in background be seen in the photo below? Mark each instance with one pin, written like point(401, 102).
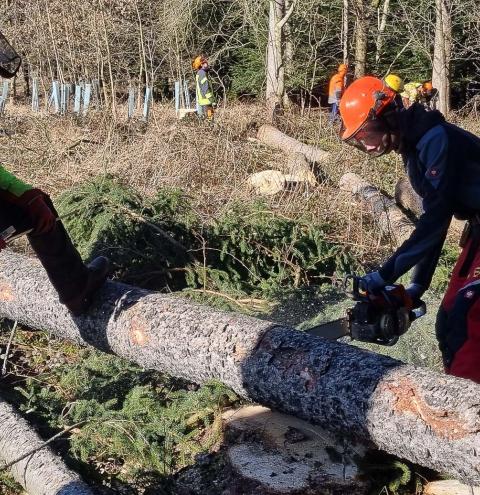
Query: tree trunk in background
point(442, 54)
point(361, 36)
point(288, 55)
point(406, 197)
point(274, 138)
point(40, 473)
point(381, 31)
point(275, 67)
point(345, 23)
point(387, 215)
point(419, 415)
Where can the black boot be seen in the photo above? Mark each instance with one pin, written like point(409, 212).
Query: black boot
point(97, 275)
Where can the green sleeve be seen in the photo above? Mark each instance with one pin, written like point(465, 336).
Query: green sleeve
point(10, 183)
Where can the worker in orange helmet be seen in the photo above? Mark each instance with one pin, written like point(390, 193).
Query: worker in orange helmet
point(442, 162)
point(204, 91)
point(336, 89)
point(428, 95)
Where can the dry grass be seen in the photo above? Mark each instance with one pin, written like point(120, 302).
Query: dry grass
point(210, 162)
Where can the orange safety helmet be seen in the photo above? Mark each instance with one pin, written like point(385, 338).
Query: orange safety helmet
point(365, 98)
point(427, 86)
point(197, 63)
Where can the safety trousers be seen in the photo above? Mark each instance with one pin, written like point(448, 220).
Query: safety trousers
point(458, 319)
point(54, 249)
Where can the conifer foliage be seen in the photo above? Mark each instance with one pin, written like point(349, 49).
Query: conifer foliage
point(161, 243)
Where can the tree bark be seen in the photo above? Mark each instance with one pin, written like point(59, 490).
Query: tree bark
point(388, 216)
point(278, 17)
point(288, 56)
point(274, 138)
point(429, 418)
point(381, 31)
point(274, 65)
point(361, 36)
point(442, 54)
point(406, 197)
point(345, 25)
point(41, 473)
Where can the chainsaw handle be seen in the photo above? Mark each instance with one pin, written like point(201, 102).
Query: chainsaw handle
point(354, 287)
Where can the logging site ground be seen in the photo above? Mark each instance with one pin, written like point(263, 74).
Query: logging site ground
point(119, 186)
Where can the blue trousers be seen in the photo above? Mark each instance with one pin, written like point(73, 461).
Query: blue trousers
point(334, 112)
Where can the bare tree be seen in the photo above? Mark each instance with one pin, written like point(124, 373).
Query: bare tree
point(442, 53)
point(288, 53)
point(345, 25)
point(362, 18)
point(275, 68)
point(382, 25)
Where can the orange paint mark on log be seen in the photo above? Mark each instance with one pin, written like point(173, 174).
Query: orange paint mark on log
point(239, 353)
point(137, 325)
point(6, 291)
point(408, 400)
point(137, 333)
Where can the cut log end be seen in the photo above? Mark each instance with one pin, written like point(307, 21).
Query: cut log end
point(280, 454)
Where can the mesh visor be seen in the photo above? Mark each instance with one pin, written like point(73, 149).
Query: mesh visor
point(372, 138)
point(9, 59)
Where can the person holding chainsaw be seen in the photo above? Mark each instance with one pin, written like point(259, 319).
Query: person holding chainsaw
point(24, 209)
point(442, 162)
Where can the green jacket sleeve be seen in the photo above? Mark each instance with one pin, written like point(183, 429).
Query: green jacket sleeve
point(10, 183)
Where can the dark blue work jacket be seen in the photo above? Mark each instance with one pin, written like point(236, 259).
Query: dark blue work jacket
point(443, 165)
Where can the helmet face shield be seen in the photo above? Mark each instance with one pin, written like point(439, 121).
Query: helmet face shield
point(372, 138)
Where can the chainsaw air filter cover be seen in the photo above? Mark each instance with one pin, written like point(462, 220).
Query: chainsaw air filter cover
point(10, 60)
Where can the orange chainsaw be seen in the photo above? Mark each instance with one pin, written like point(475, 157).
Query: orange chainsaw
point(379, 317)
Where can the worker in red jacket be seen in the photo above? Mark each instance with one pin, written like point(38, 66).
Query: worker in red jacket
point(442, 162)
point(24, 209)
point(336, 89)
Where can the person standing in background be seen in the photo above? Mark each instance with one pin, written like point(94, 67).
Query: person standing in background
point(205, 98)
point(336, 89)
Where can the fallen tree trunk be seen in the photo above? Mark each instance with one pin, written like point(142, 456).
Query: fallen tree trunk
point(387, 215)
point(41, 473)
point(271, 136)
point(407, 198)
point(414, 413)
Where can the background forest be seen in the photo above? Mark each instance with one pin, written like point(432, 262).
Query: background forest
point(124, 41)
